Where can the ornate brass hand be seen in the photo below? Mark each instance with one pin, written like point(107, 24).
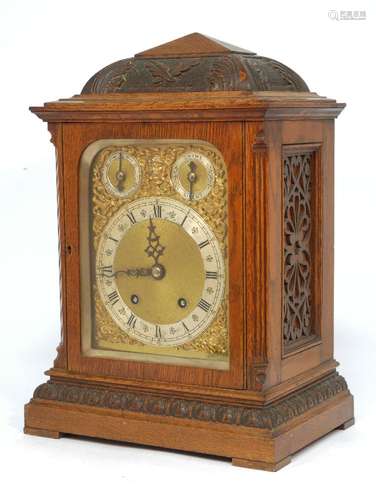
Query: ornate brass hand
point(132, 273)
point(155, 250)
point(192, 178)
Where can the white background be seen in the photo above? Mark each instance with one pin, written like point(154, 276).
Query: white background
point(48, 51)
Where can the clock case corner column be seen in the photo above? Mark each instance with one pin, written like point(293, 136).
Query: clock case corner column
point(255, 220)
point(56, 131)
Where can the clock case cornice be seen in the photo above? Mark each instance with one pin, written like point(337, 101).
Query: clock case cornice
point(191, 106)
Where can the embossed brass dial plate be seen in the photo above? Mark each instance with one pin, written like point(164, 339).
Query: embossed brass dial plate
point(181, 318)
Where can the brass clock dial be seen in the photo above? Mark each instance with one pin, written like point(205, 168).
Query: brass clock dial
point(192, 175)
point(121, 174)
point(160, 271)
point(153, 252)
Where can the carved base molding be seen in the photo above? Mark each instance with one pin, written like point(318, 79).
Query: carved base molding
point(270, 417)
point(262, 437)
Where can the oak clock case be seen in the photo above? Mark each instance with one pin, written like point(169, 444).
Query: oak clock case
point(153, 222)
point(196, 207)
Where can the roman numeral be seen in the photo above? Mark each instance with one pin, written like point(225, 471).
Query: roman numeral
point(131, 217)
point(113, 239)
point(205, 306)
point(211, 275)
point(157, 209)
point(113, 297)
point(158, 332)
point(203, 244)
point(185, 327)
point(132, 321)
point(105, 271)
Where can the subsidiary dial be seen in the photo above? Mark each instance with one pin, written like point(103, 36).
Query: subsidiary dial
point(192, 175)
point(121, 174)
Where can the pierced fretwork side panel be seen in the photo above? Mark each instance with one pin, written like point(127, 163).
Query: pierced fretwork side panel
point(300, 232)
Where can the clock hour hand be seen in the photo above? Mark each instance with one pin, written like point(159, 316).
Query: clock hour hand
point(192, 178)
point(155, 250)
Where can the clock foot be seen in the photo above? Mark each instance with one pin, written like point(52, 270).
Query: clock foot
point(347, 424)
point(42, 432)
point(255, 464)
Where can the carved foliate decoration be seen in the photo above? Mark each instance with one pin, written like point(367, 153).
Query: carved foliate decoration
point(191, 64)
point(272, 416)
point(231, 72)
point(298, 240)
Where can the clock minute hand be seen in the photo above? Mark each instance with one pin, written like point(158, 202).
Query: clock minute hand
point(136, 273)
point(131, 272)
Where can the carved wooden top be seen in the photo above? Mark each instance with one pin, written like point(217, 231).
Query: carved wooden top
point(195, 63)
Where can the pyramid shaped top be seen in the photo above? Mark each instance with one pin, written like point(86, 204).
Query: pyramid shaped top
point(192, 45)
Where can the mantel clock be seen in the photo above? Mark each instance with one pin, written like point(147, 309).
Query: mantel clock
point(195, 196)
